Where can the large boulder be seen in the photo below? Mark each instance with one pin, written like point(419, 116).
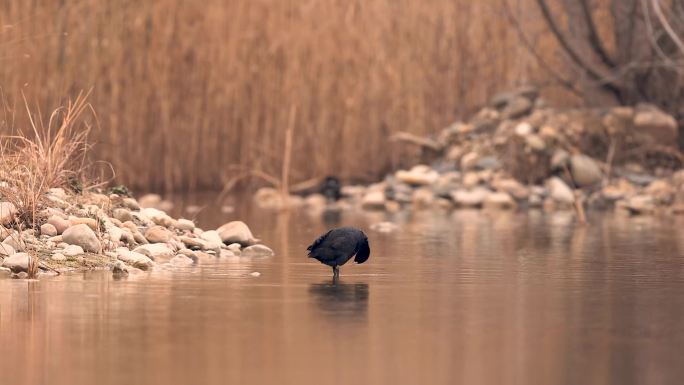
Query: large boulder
point(236, 232)
point(83, 236)
point(17, 263)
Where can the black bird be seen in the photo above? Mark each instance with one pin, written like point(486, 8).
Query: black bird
point(331, 189)
point(337, 246)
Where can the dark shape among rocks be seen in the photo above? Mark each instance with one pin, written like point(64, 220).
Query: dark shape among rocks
point(337, 246)
point(330, 188)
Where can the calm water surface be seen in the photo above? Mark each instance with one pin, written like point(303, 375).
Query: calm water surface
point(450, 297)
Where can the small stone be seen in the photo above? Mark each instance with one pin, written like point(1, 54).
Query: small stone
point(20, 275)
point(120, 269)
point(469, 161)
point(423, 197)
point(181, 261)
point(7, 212)
point(90, 222)
point(17, 263)
point(585, 171)
point(134, 259)
point(193, 242)
point(535, 143)
point(512, 187)
point(236, 232)
point(559, 191)
point(83, 236)
point(470, 198)
point(131, 204)
point(189, 253)
point(517, 107)
point(254, 274)
point(640, 204)
point(373, 200)
point(60, 224)
point(73, 251)
point(6, 250)
point(384, 227)
point(559, 159)
point(234, 247)
point(523, 129)
point(158, 234)
point(59, 257)
point(418, 176)
point(185, 225)
point(158, 217)
point(122, 214)
point(48, 230)
point(155, 251)
point(257, 251)
point(499, 200)
point(659, 126)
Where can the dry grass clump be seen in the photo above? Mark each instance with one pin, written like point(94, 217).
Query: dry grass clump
point(48, 155)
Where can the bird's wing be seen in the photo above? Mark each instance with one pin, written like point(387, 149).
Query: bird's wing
point(318, 241)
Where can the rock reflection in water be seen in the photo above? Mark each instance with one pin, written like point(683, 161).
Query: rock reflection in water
point(338, 299)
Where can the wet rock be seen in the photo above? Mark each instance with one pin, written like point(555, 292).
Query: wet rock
point(83, 236)
point(120, 269)
point(373, 200)
point(185, 225)
point(656, 124)
point(154, 251)
point(559, 191)
point(227, 254)
point(661, 191)
point(236, 232)
point(423, 197)
point(134, 259)
point(7, 212)
point(58, 257)
point(181, 261)
point(498, 200)
point(316, 202)
point(190, 254)
point(158, 234)
point(73, 251)
point(17, 263)
point(446, 183)
point(234, 247)
point(4, 270)
point(639, 179)
point(585, 171)
point(48, 230)
point(470, 198)
point(400, 192)
point(192, 242)
point(257, 251)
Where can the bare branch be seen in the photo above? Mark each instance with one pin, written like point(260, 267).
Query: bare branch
point(594, 39)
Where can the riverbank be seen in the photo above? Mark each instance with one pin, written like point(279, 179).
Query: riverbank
point(518, 153)
point(93, 230)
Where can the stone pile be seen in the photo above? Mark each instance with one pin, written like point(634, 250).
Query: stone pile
point(92, 230)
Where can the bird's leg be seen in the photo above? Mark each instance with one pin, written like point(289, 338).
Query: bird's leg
point(336, 271)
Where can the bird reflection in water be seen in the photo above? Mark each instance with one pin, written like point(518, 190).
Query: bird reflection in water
point(339, 299)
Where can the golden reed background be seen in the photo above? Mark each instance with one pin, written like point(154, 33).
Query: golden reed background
point(183, 89)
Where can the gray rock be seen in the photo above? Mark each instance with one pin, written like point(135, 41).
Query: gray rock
point(257, 251)
point(236, 232)
point(17, 263)
point(48, 229)
point(120, 269)
point(585, 171)
point(7, 212)
point(83, 236)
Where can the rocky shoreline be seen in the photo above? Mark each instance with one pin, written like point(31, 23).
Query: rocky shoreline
point(517, 153)
point(98, 231)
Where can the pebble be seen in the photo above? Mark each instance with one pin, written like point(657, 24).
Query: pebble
point(185, 225)
point(158, 234)
point(257, 251)
point(73, 250)
point(58, 257)
point(90, 222)
point(48, 230)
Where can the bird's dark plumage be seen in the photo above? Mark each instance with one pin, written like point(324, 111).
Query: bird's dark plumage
point(337, 246)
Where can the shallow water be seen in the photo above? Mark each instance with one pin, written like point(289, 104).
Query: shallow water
point(450, 297)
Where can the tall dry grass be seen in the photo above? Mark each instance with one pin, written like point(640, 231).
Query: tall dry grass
point(184, 89)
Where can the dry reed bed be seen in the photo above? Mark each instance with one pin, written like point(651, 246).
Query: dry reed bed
point(185, 89)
